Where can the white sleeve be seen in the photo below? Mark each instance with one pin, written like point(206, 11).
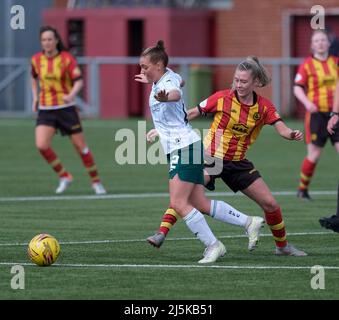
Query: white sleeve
point(178, 76)
point(172, 83)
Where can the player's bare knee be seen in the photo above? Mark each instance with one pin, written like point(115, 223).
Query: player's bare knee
point(42, 146)
point(179, 206)
point(270, 205)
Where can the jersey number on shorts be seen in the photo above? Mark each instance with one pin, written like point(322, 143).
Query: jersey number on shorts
point(174, 162)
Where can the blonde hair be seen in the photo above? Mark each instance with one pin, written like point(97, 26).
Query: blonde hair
point(320, 31)
point(257, 69)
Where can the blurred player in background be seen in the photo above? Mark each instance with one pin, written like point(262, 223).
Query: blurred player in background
point(314, 87)
point(334, 42)
point(333, 221)
point(56, 73)
point(184, 152)
point(239, 115)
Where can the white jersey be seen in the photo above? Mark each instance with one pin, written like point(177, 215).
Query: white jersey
point(170, 118)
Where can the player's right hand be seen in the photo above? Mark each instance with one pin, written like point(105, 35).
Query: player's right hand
point(296, 135)
point(141, 78)
point(151, 135)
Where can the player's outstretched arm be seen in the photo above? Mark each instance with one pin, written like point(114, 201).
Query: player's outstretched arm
point(163, 96)
point(287, 132)
point(193, 113)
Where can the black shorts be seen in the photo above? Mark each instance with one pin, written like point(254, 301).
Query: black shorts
point(65, 120)
point(316, 129)
point(238, 175)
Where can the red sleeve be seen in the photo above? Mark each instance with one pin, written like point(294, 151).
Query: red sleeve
point(209, 105)
point(73, 68)
point(301, 76)
point(271, 115)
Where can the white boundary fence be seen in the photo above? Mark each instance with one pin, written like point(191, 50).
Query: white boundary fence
point(16, 102)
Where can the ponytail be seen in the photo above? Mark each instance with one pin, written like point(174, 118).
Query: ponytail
point(257, 69)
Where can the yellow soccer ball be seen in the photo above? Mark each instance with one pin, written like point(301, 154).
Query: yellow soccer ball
point(43, 249)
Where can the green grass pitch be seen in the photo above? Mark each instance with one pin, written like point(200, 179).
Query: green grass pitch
point(104, 254)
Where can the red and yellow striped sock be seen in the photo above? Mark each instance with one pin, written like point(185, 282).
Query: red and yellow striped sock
point(169, 219)
point(275, 222)
point(88, 161)
point(54, 162)
point(306, 173)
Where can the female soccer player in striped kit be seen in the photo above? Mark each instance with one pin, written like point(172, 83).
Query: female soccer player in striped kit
point(184, 152)
point(239, 115)
point(56, 73)
point(317, 75)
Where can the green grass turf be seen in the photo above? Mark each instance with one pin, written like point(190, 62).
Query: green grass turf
point(102, 271)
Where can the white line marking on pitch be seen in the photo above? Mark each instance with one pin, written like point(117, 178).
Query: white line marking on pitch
point(146, 195)
point(169, 239)
point(168, 266)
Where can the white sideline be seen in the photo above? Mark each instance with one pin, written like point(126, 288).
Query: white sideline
point(168, 266)
point(168, 239)
point(147, 195)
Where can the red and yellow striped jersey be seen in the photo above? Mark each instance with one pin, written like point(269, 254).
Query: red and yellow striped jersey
point(235, 126)
point(56, 76)
point(319, 79)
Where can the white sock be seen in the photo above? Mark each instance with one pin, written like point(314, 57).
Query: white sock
point(196, 222)
point(222, 211)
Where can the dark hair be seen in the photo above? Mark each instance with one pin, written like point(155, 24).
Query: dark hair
point(257, 69)
point(60, 46)
point(157, 53)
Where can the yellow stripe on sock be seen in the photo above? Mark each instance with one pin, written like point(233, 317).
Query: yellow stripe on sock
point(303, 186)
point(304, 177)
point(93, 168)
point(278, 226)
point(55, 162)
point(172, 212)
point(279, 239)
point(166, 225)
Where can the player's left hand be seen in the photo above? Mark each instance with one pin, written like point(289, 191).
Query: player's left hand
point(297, 135)
point(162, 96)
point(332, 124)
